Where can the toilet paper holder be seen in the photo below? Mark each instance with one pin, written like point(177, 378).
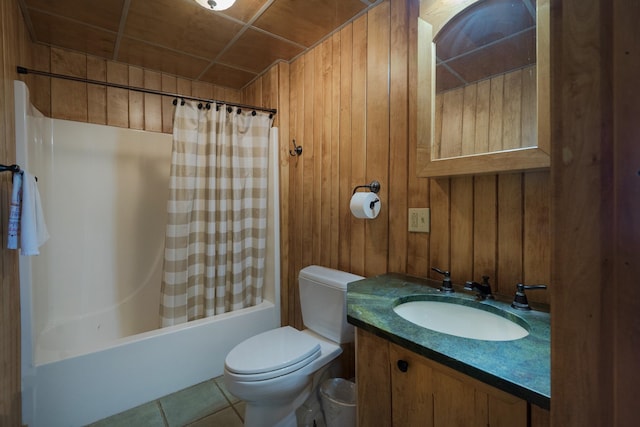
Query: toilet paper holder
point(374, 187)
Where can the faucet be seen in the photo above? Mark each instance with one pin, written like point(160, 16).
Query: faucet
point(520, 300)
point(484, 288)
point(446, 281)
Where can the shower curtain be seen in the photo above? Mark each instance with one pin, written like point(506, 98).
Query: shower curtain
point(217, 212)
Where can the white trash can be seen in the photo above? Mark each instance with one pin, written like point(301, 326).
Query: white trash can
point(339, 402)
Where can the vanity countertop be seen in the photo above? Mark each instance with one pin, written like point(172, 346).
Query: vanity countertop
point(520, 367)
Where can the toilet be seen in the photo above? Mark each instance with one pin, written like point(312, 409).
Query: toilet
point(275, 372)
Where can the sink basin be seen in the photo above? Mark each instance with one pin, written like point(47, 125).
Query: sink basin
point(461, 320)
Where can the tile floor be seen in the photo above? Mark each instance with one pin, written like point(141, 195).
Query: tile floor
point(207, 404)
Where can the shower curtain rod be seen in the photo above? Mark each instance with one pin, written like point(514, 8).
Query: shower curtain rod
point(24, 70)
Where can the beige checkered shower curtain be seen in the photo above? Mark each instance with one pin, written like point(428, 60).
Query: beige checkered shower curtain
point(217, 213)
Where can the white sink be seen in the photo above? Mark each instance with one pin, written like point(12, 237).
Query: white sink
point(460, 320)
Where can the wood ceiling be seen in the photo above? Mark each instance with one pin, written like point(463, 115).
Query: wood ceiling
point(228, 48)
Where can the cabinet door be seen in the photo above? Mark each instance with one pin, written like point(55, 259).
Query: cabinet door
point(372, 379)
point(411, 398)
point(455, 403)
point(505, 410)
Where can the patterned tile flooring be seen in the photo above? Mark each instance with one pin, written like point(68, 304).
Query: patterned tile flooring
point(207, 404)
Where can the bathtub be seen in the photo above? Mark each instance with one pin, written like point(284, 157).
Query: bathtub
point(91, 346)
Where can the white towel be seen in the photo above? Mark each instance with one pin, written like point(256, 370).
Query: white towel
point(33, 230)
point(14, 212)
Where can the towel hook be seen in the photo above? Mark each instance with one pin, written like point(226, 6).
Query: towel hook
point(297, 149)
point(11, 168)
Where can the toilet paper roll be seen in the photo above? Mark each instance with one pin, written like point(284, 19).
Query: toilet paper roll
point(365, 205)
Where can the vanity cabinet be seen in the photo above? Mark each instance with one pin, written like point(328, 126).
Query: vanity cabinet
point(397, 387)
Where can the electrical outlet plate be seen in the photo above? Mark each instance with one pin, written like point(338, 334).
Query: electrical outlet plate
point(419, 220)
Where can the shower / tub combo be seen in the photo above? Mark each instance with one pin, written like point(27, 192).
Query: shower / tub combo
point(91, 346)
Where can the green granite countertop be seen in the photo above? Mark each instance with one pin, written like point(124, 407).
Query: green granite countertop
point(520, 367)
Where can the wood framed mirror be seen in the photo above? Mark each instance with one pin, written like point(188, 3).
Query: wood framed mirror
point(483, 100)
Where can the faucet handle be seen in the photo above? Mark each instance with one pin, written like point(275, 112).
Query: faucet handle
point(446, 281)
point(520, 300)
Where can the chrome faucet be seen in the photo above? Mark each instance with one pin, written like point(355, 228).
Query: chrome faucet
point(446, 281)
point(520, 300)
point(484, 288)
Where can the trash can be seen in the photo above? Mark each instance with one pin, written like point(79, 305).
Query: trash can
point(339, 402)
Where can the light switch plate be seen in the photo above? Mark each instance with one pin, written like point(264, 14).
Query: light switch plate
point(419, 220)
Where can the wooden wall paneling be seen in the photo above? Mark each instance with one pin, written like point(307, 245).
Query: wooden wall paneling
point(231, 95)
point(452, 113)
point(398, 137)
point(626, 231)
point(495, 113)
point(304, 181)
point(15, 51)
point(585, 321)
point(358, 137)
point(202, 90)
point(485, 228)
point(169, 84)
point(283, 119)
point(470, 101)
point(436, 150)
point(377, 153)
point(270, 90)
point(96, 94)
point(537, 261)
point(184, 86)
point(418, 246)
point(483, 108)
point(295, 180)
point(152, 103)
point(461, 229)
point(69, 98)
point(510, 233)
point(309, 192)
point(440, 235)
point(512, 111)
point(137, 114)
point(334, 173)
point(345, 182)
point(117, 99)
point(322, 144)
point(252, 94)
point(40, 86)
point(220, 94)
point(529, 104)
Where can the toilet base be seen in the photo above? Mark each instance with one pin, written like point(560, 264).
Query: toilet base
point(274, 414)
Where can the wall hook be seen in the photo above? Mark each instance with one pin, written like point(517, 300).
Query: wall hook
point(297, 149)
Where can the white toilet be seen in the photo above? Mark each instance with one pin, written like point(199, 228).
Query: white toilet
point(274, 372)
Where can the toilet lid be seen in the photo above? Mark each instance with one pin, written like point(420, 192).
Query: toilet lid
point(273, 350)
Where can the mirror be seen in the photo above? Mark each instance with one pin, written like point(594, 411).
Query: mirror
point(483, 100)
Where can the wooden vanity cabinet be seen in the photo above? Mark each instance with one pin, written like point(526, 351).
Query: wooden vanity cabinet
point(424, 393)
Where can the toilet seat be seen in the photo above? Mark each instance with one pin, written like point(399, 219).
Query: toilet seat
point(271, 354)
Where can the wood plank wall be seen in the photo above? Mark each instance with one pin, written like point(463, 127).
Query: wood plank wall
point(69, 100)
point(491, 115)
point(352, 108)
point(15, 50)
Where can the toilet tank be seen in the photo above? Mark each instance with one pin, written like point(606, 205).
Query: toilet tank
point(323, 301)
